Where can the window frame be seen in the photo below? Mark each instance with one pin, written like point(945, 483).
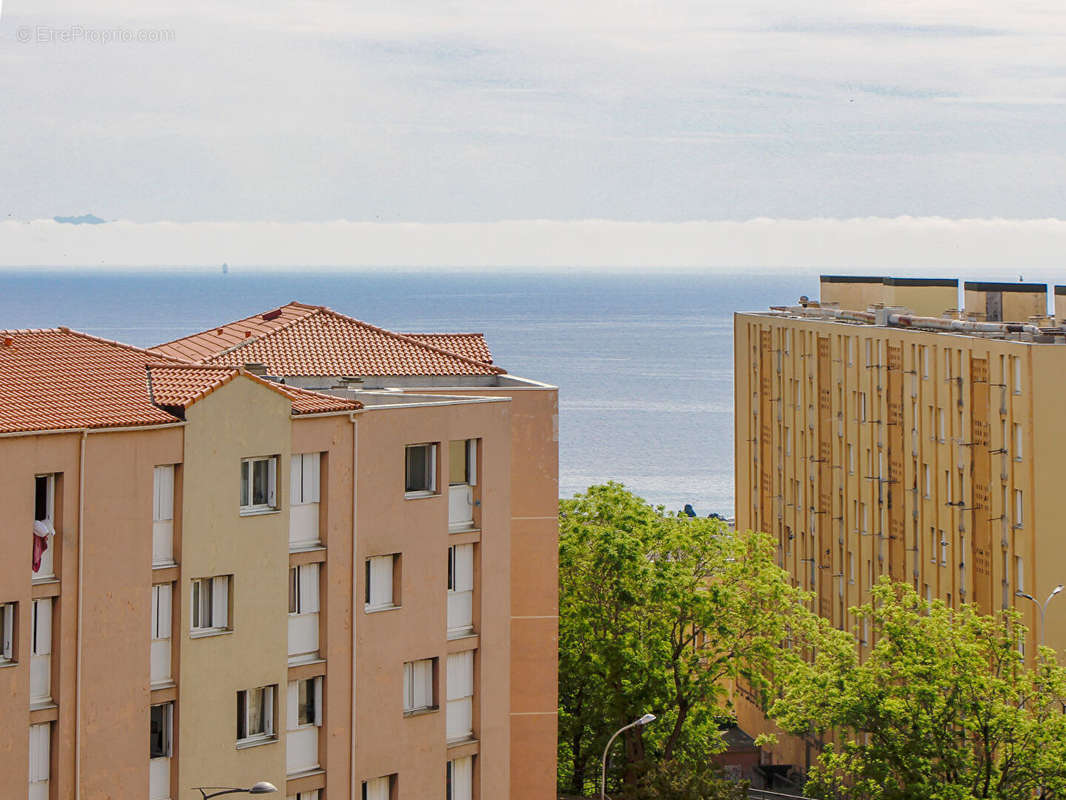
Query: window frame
point(306, 480)
point(305, 593)
point(248, 484)
point(430, 467)
point(167, 732)
point(394, 571)
point(8, 634)
point(267, 714)
point(196, 605)
point(409, 667)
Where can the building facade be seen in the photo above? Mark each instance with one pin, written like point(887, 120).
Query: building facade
point(881, 431)
point(235, 579)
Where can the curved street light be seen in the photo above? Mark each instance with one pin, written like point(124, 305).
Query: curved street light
point(1041, 608)
point(262, 787)
point(647, 718)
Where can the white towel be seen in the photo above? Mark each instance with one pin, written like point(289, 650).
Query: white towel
point(42, 528)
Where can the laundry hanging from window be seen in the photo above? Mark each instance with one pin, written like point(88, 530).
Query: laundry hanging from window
point(41, 531)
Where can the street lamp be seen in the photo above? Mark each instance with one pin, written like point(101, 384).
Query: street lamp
point(262, 787)
point(603, 775)
point(1041, 608)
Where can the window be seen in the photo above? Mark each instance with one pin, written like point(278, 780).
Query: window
point(851, 351)
point(851, 459)
point(1019, 574)
point(8, 615)
point(927, 480)
point(314, 794)
point(459, 722)
point(460, 779)
point(943, 552)
point(940, 424)
point(43, 526)
point(303, 612)
point(932, 545)
point(305, 478)
point(40, 758)
point(851, 567)
point(788, 441)
point(382, 582)
point(462, 462)
point(1016, 368)
point(303, 589)
point(419, 685)
point(925, 361)
point(1018, 507)
point(460, 589)
point(210, 604)
point(162, 596)
point(163, 515)
point(303, 719)
point(379, 788)
point(869, 351)
point(1017, 441)
point(259, 477)
point(161, 730)
point(421, 472)
point(41, 651)
point(862, 406)
point(255, 713)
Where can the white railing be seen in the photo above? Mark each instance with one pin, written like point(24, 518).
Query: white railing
point(460, 507)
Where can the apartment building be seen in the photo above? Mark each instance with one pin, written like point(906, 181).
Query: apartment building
point(235, 579)
point(318, 348)
point(880, 431)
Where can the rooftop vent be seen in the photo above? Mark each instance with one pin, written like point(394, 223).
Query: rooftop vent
point(268, 316)
point(255, 368)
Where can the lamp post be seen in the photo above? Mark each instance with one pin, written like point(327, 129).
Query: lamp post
point(647, 718)
point(1041, 608)
point(262, 787)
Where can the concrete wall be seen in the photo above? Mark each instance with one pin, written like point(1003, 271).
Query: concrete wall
point(414, 747)
point(239, 420)
point(1017, 301)
point(534, 586)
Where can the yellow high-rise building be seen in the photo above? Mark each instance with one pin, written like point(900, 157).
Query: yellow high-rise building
point(882, 431)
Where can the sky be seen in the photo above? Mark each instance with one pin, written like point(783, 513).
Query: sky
point(614, 127)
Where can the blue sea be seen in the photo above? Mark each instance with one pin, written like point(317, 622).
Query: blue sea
point(643, 362)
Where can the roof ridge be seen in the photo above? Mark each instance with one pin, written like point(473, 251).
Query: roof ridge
point(436, 333)
point(189, 365)
point(251, 339)
point(402, 337)
point(236, 322)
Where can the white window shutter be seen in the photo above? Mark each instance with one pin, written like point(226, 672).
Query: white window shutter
point(377, 789)
point(408, 684)
point(463, 778)
point(292, 705)
point(464, 567)
point(40, 745)
point(380, 581)
point(310, 477)
point(295, 480)
point(471, 461)
point(163, 495)
point(268, 709)
point(460, 675)
point(272, 481)
point(164, 609)
point(42, 622)
point(9, 624)
point(318, 701)
point(433, 467)
point(220, 602)
point(308, 578)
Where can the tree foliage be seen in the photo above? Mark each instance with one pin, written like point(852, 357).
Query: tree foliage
point(657, 613)
point(943, 707)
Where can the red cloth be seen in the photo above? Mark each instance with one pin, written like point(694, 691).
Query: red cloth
point(40, 544)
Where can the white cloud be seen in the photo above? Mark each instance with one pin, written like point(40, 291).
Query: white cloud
point(903, 245)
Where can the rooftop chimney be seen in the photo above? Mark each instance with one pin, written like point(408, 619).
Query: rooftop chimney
point(255, 368)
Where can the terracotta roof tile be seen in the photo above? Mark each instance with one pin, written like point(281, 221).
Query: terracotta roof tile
point(471, 345)
point(301, 340)
point(59, 379)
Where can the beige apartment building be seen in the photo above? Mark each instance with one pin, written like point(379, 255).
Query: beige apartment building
point(880, 431)
point(233, 578)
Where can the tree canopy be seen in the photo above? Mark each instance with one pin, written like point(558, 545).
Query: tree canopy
point(943, 707)
point(658, 612)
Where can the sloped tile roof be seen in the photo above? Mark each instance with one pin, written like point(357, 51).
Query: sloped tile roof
point(181, 385)
point(301, 340)
point(59, 379)
point(471, 345)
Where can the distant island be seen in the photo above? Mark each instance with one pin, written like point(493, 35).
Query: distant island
point(84, 219)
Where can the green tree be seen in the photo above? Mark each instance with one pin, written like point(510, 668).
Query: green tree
point(943, 707)
point(658, 612)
